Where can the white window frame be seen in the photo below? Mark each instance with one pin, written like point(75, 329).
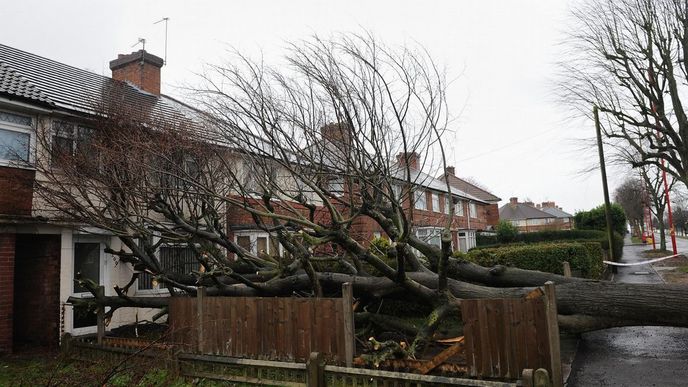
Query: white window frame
point(420, 201)
point(435, 202)
point(473, 210)
point(12, 127)
point(396, 192)
point(458, 208)
point(426, 234)
point(254, 235)
point(447, 203)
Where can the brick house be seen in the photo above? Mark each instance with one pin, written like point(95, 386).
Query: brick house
point(430, 202)
point(39, 253)
point(529, 217)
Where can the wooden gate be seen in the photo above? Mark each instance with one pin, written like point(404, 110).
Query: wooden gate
point(504, 336)
point(274, 328)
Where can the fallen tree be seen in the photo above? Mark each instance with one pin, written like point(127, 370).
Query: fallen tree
point(269, 196)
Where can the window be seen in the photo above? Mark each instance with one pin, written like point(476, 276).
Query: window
point(396, 192)
point(421, 201)
point(178, 259)
point(87, 265)
point(70, 139)
point(436, 202)
point(15, 137)
point(258, 242)
point(473, 210)
point(447, 203)
point(431, 235)
point(336, 186)
point(458, 208)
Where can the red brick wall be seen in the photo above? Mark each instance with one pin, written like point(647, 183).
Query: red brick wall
point(492, 214)
point(132, 72)
point(16, 191)
point(7, 242)
point(37, 290)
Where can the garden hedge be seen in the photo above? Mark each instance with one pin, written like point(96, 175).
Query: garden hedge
point(548, 257)
point(559, 236)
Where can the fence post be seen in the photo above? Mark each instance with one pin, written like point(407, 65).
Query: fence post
point(315, 370)
point(349, 339)
point(541, 378)
point(527, 377)
point(200, 296)
point(567, 269)
point(100, 315)
point(553, 334)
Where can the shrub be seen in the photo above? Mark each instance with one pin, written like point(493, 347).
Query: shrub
point(547, 257)
point(567, 235)
point(595, 219)
point(506, 232)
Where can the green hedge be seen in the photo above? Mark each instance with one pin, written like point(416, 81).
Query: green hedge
point(559, 236)
point(548, 257)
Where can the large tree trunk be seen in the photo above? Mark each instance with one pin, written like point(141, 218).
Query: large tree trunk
point(583, 305)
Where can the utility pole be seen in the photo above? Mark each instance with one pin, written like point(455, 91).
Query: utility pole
point(603, 170)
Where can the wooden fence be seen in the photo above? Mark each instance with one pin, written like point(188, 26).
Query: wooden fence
point(504, 336)
point(265, 327)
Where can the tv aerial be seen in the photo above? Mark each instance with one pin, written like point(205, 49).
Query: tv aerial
point(165, 19)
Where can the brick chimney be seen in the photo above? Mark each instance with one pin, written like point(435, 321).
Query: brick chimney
point(513, 200)
point(336, 132)
point(450, 171)
point(413, 159)
point(529, 204)
point(548, 205)
point(140, 69)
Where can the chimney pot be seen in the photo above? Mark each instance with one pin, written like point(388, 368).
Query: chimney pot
point(513, 200)
point(451, 170)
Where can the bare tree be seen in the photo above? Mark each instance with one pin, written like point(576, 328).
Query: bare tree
point(304, 151)
point(629, 195)
point(629, 58)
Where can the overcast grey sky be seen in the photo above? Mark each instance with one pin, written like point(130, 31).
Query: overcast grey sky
point(511, 135)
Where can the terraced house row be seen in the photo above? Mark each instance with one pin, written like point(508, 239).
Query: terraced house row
point(41, 250)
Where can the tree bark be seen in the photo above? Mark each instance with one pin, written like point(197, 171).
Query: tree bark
point(583, 305)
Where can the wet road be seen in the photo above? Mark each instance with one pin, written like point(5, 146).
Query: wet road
point(633, 356)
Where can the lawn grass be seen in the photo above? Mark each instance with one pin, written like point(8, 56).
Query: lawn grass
point(53, 369)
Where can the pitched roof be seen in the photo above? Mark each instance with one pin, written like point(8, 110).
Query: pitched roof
point(556, 212)
point(521, 211)
point(471, 189)
point(437, 184)
point(40, 80)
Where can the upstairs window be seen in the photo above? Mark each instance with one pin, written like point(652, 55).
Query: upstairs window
point(15, 138)
point(69, 139)
point(436, 202)
point(447, 203)
point(421, 201)
point(458, 208)
point(473, 210)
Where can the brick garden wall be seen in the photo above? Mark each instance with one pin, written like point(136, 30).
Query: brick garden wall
point(7, 243)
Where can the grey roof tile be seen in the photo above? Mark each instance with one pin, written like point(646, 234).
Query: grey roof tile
point(521, 211)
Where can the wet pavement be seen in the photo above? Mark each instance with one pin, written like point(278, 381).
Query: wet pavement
point(633, 356)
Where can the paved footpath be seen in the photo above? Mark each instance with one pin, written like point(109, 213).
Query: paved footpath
point(633, 356)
